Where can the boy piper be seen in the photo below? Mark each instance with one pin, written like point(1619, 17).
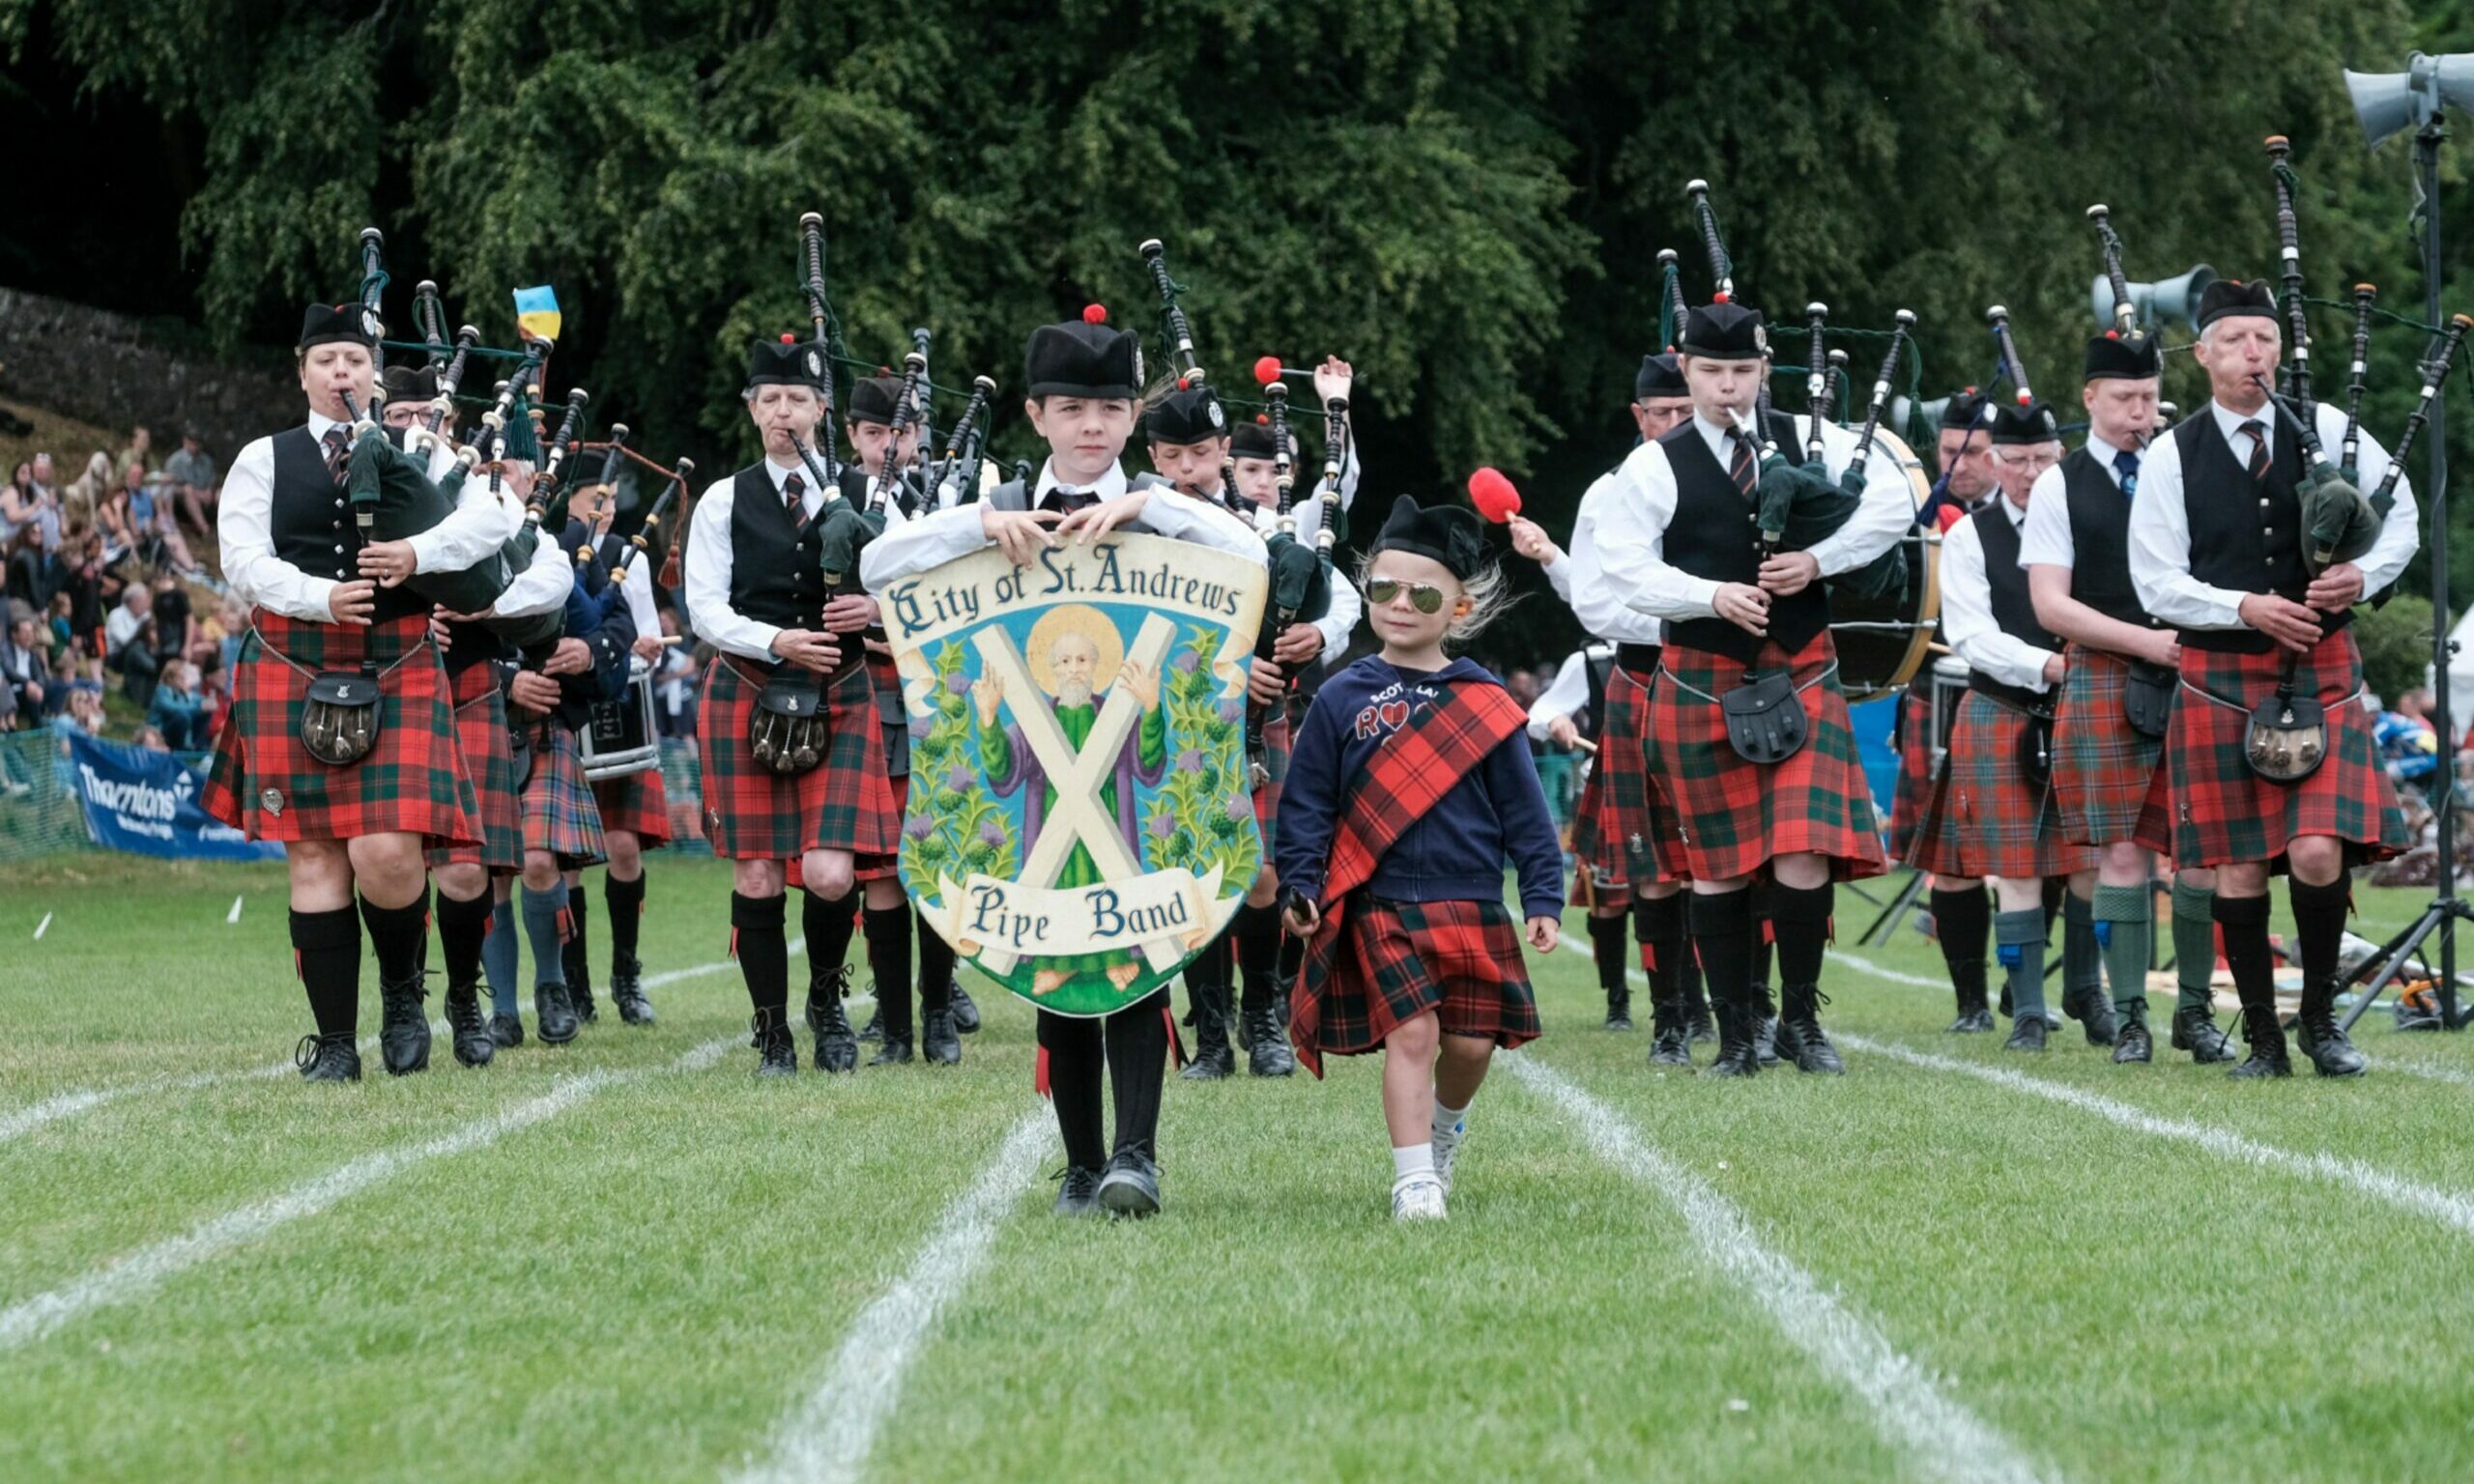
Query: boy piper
point(1410, 788)
point(1988, 817)
point(2217, 550)
point(1615, 832)
point(286, 532)
point(2108, 765)
point(756, 592)
point(1683, 544)
point(1084, 397)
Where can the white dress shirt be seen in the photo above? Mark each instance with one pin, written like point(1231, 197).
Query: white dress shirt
point(543, 586)
point(706, 568)
point(2160, 525)
point(909, 547)
point(245, 521)
point(2047, 541)
point(1630, 534)
point(1580, 580)
point(1569, 693)
point(1967, 607)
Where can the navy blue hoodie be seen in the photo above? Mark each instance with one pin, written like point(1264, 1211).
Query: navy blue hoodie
point(1456, 851)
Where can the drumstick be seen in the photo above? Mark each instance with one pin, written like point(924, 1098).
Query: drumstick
point(1586, 745)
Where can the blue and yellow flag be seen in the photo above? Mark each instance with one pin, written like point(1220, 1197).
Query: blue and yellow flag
point(537, 312)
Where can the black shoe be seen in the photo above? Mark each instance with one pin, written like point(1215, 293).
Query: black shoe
point(891, 1051)
point(1130, 1186)
point(836, 1048)
point(2095, 1015)
point(1738, 1054)
point(2266, 1037)
point(2196, 1032)
point(627, 990)
point(1267, 1050)
point(403, 1034)
point(554, 1017)
point(1800, 1036)
point(2324, 1042)
point(1078, 1193)
point(875, 1029)
point(1618, 1010)
point(2027, 1034)
point(326, 1059)
point(473, 1041)
point(1213, 1056)
point(506, 1031)
point(1972, 1022)
point(579, 994)
point(1698, 1025)
point(965, 1013)
point(2134, 1044)
point(1765, 1040)
point(1671, 1040)
point(2006, 1010)
point(938, 1042)
point(778, 1055)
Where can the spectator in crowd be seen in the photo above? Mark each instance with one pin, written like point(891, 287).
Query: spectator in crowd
point(190, 470)
point(118, 524)
point(33, 576)
point(87, 492)
point(213, 694)
point(159, 542)
point(675, 684)
point(229, 627)
point(177, 711)
point(84, 713)
point(60, 627)
point(40, 504)
point(25, 672)
point(153, 740)
point(172, 618)
point(138, 455)
point(129, 642)
point(16, 502)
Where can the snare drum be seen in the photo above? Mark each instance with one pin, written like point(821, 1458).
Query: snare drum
point(620, 738)
point(1949, 685)
point(1881, 642)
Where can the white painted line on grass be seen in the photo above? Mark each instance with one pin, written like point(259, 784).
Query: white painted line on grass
point(140, 1272)
point(2447, 1206)
point(835, 1429)
point(1909, 1408)
point(1863, 965)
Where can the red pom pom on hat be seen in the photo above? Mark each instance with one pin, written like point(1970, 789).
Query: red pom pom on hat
point(788, 338)
point(1264, 419)
point(1267, 370)
point(2026, 397)
point(1095, 314)
point(2112, 335)
point(1493, 494)
point(1721, 299)
point(1183, 385)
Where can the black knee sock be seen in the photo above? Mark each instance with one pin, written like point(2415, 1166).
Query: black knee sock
point(463, 926)
point(572, 962)
point(828, 925)
point(1963, 922)
point(396, 935)
point(1606, 948)
point(2056, 887)
point(1802, 915)
point(626, 903)
point(763, 953)
point(1659, 922)
point(1207, 980)
point(888, 930)
point(2319, 928)
point(2244, 923)
point(1137, 1037)
point(1258, 951)
point(936, 969)
point(1765, 935)
point(325, 948)
point(1722, 933)
point(1076, 1065)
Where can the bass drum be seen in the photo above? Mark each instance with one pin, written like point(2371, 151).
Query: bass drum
point(1883, 641)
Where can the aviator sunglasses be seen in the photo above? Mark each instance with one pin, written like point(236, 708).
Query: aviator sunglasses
point(1424, 597)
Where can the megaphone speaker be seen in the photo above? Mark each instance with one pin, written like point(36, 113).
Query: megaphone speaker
point(2168, 299)
point(2384, 102)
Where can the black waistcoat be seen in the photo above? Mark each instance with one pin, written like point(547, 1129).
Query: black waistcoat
point(2246, 535)
point(312, 523)
point(2100, 540)
point(1599, 668)
point(2013, 611)
point(775, 575)
point(1715, 534)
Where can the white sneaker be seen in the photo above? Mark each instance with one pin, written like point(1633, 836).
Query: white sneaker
point(1418, 1198)
point(1447, 1149)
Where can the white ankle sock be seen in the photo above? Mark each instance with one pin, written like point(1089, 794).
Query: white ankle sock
point(1446, 1120)
point(1412, 1159)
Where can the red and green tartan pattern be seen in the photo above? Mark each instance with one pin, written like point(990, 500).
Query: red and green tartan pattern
point(489, 762)
point(754, 814)
point(558, 812)
point(1615, 811)
point(1914, 789)
point(1397, 960)
point(871, 868)
point(2223, 814)
point(1733, 816)
point(884, 677)
point(1985, 819)
point(2111, 780)
point(413, 780)
point(636, 802)
point(1277, 740)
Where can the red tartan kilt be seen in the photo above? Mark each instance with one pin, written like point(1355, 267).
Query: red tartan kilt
point(2110, 782)
point(1616, 811)
point(1391, 961)
point(2223, 814)
point(1915, 787)
point(637, 803)
point(412, 781)
point(874, 867)
point(753, 813)
point(1731, 816)
point(1985, 819)
point(558, 812)
point(1277, 742)
point(489, 760)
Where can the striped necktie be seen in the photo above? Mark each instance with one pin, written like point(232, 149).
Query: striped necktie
point(338, 453)
point(1744, 468)
point(2260, 457)
point(794, 499)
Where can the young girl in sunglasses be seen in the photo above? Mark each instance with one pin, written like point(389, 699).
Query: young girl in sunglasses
point(1410, 785)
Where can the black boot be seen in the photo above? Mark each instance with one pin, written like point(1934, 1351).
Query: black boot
point(836, 1048)
point(938, 1042)
point(965, 1011)
point(1266, 1050)
point(2316, 1032)
point(471, 1039)
point(2027, 1032)
point(326, 1059)
point(875, 1029)
point(627, 990)
point(892, 1050)
point(2135, 1044)
point(1213, 1056)
point(1764, 1026)
point(403, 1031)
point(2196, 1032)
point(1671, 1035)
point(506, 1031)
point(573, 963)
point(1699, 1026)
point(2268, 1059)
point(1974, 1015)
point(1738, 1055)
point(1078, 1193)
point(1619, 1008)
point(1799, 1035)
point(554, 1015)
point(778, 1055)
point(1130, 1186)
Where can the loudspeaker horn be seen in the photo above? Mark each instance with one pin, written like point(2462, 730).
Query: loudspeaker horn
point(2166, 299)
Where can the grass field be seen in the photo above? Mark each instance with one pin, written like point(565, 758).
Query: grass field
point(629, 1260)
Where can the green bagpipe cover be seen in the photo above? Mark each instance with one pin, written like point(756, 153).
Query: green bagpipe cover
point(847, 531)
point(1805, 506)
point(2339, 518)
